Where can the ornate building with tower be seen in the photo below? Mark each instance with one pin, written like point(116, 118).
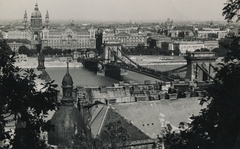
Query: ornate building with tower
point(35, 28)
point(69, 38)
point(36, 20)
point(31, 31)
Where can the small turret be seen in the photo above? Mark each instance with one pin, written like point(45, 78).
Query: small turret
point(67, 88)
point(47, 20)
point(25, 22)
point(68, 121)
point(36, 6)
point(43, 74)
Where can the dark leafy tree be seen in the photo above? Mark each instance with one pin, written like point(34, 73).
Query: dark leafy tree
point(217, 125)
point(230, 10)
point(33, 51)
point(114, 135)
point(164, 51)
point(205, 50)
point(225, 43)
point(220, 51)
point(85, 142)
point(24, 50)
point(67, 52)
point(47, 50)
point(176, 51)
point(57, 51)
point(8, 49)
point(22, 103)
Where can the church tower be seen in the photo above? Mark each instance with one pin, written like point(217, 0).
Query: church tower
point(67, 119)
point(67, 87)
point(41, 68)
point(47, 21)
point(25, 22)
point(41, 60)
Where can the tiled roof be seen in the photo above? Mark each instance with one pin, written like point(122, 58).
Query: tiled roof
point(136, 34)
point(122, 34)
point(97, 119)
point(183, 28)
point(151, 117)
point(133, 132)
point(102, 115)
point(120, 92)
point(123, 26)
point(133, 31)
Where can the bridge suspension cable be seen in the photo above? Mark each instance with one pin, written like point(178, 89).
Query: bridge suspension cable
point(140, 69)
point(205, 72)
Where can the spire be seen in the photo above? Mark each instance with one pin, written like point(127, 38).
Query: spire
point(36, 6)
point(47, 20)
point(47, 15)
point(25, 14)
point(25, 23)
point(67, 87)
point(67, 66)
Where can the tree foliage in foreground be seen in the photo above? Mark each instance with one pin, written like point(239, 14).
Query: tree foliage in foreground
point(22, 104)
point(230, 10)
point(113, 136)
point(217, 125)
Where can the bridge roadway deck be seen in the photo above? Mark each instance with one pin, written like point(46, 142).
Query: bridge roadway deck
point(146, 71)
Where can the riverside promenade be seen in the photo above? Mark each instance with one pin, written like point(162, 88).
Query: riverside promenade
point(32, 62)
point(158, 60)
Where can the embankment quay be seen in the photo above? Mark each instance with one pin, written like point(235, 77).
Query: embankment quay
point(31, 62)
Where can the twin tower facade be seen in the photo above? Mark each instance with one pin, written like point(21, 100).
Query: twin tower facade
point(36, 22)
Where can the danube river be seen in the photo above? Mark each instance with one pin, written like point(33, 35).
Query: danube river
point(83, 77)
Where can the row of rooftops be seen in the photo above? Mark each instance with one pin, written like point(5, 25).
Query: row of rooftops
point(58, 32)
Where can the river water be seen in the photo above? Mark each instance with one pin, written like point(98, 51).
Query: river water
point(84, 77)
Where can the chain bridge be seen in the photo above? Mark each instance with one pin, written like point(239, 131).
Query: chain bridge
point(114, 63)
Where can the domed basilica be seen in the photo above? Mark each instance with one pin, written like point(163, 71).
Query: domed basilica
point(36, 24)
point(71, 37)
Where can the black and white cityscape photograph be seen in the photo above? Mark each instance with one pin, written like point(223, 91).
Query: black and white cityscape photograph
point(119, 74)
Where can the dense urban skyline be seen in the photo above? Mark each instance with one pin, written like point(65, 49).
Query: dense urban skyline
point(117, 10)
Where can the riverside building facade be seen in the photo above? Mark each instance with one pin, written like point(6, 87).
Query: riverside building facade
point(128, 36)
point(71, 38)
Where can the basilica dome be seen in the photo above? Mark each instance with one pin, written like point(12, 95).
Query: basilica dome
point(36, 13)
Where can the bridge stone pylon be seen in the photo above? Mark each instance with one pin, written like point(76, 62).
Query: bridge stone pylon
point(109, 47)
point(199, 66)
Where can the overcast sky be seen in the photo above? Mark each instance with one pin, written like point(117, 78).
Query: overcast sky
point(116, 10)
